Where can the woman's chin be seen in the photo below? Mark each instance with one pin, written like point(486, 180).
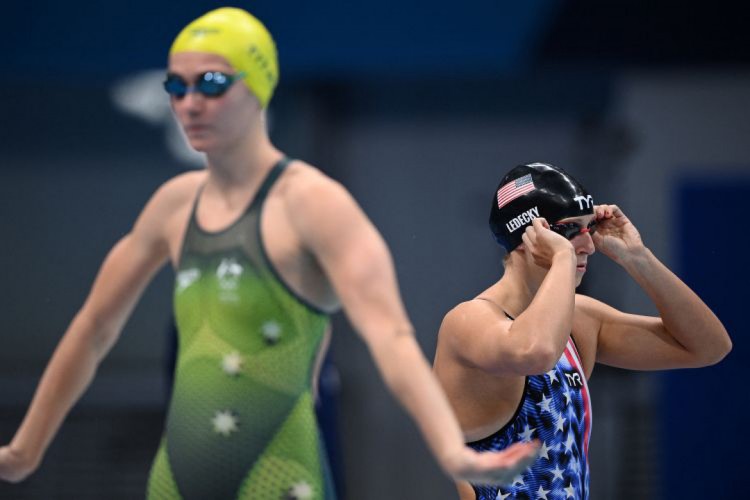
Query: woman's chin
point(201, 145)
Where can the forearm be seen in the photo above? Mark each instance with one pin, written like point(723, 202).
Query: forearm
point(410, 378)
point(546, 323)
point(68, 374)
point(684, 315)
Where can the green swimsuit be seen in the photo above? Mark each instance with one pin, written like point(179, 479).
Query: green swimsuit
point(241, 423)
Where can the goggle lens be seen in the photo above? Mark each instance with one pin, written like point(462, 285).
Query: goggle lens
point(209, 84)
point(570, 230)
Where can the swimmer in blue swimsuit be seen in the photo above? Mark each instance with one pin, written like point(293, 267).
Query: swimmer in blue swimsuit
point(515, 360)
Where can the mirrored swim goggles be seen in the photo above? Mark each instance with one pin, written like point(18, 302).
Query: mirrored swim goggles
point(208, 84)
point(570, 230)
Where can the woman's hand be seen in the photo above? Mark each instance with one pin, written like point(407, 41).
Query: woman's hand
point(615, 236)
point(544, 244)
point(497, 468)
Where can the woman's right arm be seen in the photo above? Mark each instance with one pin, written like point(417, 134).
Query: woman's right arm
point(123, 276)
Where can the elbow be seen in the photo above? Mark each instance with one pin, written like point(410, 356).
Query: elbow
point(722, 349)
point(539, 359)
point(718, 350)
point(536, 361)
point(725, 346)
point(539, 346)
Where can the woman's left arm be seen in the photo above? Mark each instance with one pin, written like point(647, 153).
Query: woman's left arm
point(685, 334)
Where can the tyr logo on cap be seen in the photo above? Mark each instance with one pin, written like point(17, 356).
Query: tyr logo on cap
point(580, 199)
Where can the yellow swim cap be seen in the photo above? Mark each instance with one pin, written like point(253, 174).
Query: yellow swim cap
point(239, 38)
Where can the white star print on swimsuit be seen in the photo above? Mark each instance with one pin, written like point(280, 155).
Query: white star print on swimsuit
point(556, 410)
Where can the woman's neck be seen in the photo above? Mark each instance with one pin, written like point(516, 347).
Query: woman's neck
point(244, 164)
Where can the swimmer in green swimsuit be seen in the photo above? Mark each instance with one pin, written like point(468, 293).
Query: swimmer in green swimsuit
point(264, 249)
point(245, 338)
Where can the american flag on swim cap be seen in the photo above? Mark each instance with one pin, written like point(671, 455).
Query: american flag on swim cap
point(514, 189)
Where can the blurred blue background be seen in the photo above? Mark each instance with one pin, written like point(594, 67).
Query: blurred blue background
point(418, 108)
point(324, 39)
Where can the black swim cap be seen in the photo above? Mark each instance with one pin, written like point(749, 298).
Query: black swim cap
point(531, 191)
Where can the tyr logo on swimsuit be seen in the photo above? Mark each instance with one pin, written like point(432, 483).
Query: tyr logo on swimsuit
point(574, 379)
